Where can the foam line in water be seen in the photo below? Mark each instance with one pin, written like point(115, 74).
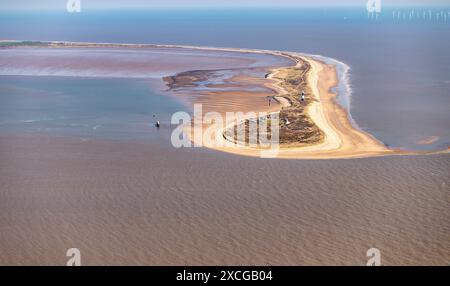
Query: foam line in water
point(343, 89)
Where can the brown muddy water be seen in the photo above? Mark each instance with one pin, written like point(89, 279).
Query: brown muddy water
point(127, 203)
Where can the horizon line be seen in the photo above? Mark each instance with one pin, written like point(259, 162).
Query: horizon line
point(218, 7)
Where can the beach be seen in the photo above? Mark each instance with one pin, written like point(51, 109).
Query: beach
point(342, 139)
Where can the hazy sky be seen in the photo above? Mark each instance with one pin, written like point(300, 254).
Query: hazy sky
point(107, 4)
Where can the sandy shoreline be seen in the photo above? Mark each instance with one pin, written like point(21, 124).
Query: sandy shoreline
point(341, 139)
